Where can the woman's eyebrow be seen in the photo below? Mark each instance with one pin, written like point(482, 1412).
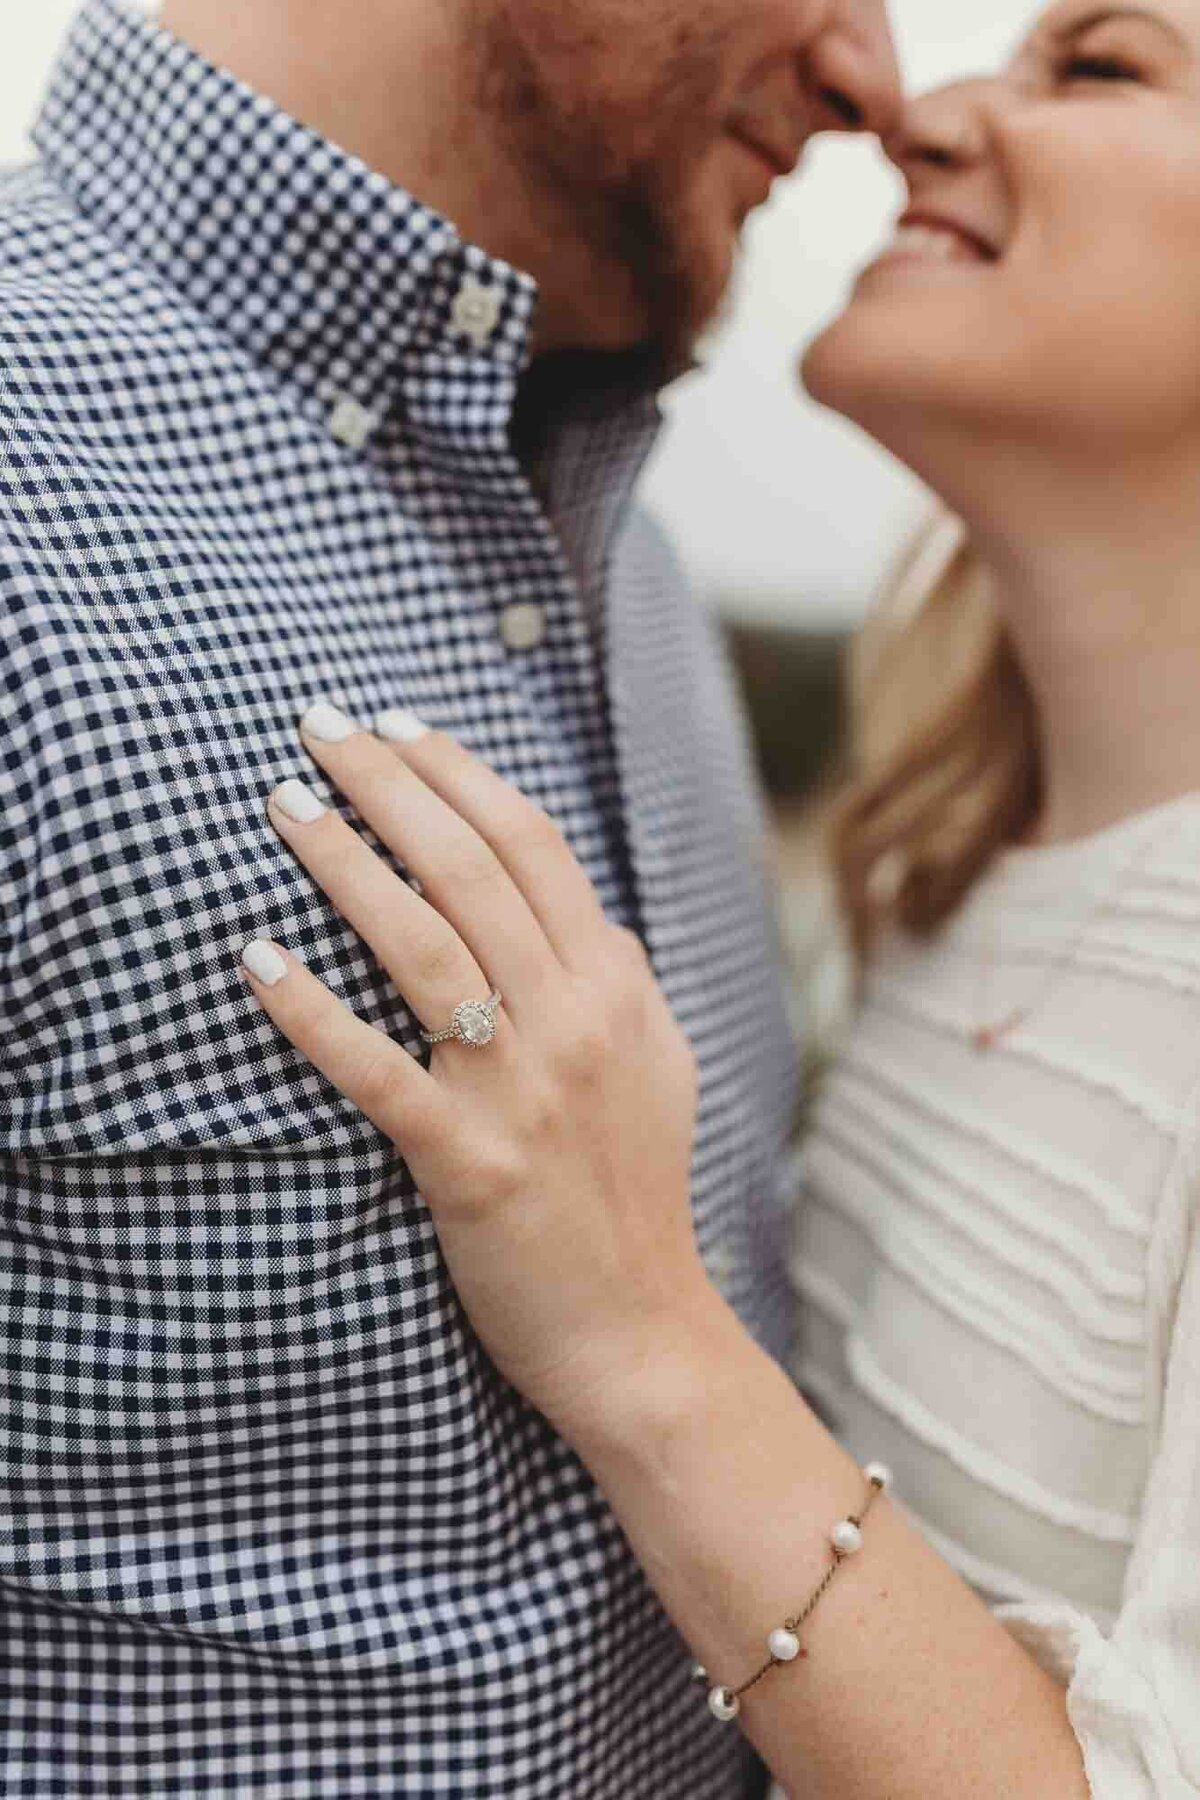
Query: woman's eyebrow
point(1106, 15)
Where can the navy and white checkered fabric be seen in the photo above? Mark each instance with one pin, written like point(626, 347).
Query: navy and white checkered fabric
point(270, 1523)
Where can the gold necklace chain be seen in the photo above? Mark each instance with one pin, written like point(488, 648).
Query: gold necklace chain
point(987, 1037)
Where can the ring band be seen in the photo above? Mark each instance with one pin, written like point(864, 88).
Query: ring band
point(473, 1024)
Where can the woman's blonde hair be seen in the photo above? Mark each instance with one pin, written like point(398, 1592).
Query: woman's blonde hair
point(945, 760)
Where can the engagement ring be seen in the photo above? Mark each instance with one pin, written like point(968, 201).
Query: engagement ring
point(473, 1024)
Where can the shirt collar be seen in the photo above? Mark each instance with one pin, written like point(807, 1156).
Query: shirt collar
point(317, 265)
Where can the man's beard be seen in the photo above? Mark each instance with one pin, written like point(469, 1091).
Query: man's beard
point(675, 281)
point(630, 211)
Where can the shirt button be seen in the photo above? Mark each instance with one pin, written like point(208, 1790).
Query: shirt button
point(476, 311)
point(523, 626)
point(350, 423)
point(722, 1265)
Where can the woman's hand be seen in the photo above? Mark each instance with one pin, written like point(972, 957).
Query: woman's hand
point(555, 1160)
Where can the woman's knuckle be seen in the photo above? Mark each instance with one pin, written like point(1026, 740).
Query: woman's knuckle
point(535, 831)
point(540, 1117)
point(507, 1178)
point(626, 980)
point(379, 790)
point(494, 1175)
point(584, 1045)
point(630, 951)
point(374, 1079)
point(317, 1027)
point(467, 868)
point(439, 955)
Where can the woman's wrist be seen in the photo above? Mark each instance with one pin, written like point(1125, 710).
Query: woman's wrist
point(678, 1373)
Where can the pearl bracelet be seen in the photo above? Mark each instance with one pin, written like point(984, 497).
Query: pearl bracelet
point(845, 1538)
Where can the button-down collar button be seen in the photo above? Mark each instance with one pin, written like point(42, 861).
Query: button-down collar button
point(523, 626)
point(722, 1265)
point(350, 423)
point(476, 311)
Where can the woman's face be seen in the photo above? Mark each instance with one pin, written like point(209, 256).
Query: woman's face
point(1046, 287)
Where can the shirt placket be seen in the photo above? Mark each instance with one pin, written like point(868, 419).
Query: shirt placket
point(540, 709)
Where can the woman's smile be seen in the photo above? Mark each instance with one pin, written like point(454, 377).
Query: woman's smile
point(1088, 145)
point(924, 242)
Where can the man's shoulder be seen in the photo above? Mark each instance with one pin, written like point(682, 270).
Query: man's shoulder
point(92, 348)
point(28, 203)
point(49, 250)
point(72, 303)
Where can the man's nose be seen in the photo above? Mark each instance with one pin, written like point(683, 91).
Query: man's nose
point(854, 69)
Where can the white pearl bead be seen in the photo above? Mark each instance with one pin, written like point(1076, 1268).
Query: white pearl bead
point(784, 1645)
point(845, 1537)
point(723, 1705)
point(700, 1673)
point(879, 1473)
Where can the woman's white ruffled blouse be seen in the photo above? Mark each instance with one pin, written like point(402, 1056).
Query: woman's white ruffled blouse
point(999, 1264)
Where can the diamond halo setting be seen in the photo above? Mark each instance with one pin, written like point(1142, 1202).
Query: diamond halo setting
point(473, 1024)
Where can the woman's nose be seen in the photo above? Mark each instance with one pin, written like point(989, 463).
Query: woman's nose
point(944, 129)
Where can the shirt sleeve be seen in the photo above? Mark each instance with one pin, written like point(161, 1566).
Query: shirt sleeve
point(1133, 1694)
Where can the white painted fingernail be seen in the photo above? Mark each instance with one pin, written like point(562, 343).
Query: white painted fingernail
point(328, 724)
point(264, 962)
point(298, 802)
point(400, 726)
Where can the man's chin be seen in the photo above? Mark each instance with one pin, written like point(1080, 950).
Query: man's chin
point(690, 298)
point(663, 260)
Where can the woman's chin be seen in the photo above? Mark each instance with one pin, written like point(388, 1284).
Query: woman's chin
point(822, 370)
point(882, 367)
point(849, 370)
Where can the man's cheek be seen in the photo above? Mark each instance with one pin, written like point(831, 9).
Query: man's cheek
point(720, 194)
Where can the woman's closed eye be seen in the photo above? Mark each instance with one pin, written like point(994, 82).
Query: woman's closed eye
point(1099, 68)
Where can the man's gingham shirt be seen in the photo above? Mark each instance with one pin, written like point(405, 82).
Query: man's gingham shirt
point(270, 1523)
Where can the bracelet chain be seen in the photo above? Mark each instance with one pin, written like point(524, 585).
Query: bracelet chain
point(730, 1698)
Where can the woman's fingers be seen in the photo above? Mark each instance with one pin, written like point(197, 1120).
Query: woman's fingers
point(380, 1078)
point(458, 870)
point(523, 837)
point(422, 953)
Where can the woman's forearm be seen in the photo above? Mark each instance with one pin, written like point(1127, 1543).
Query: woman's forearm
point(726, 1485)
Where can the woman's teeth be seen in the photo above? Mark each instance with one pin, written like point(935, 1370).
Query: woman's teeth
point(934, 242)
